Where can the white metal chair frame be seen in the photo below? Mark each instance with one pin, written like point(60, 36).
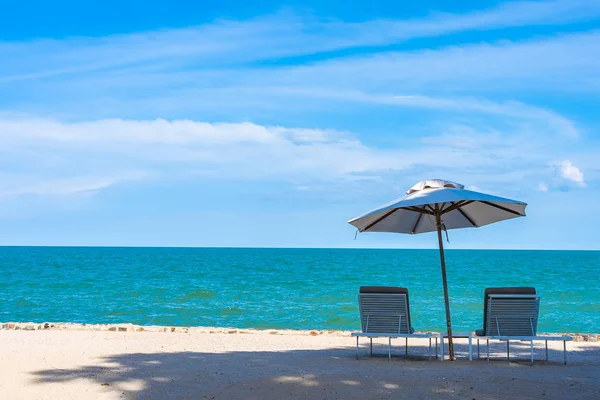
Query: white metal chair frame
point(369, 311)
point(511, 327)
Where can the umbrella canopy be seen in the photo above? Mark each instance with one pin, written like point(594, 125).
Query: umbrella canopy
point(461, 208)
point(436, 205)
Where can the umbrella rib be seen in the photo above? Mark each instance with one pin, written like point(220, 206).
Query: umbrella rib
point(416, 223)
point(441, 207)
point(417, 209)
point(508, 210)
point(464, 214)
point(456, 205)
point(378, 220)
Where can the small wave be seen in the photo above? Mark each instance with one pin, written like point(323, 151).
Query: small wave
point(231, 311)
point(198, 294)
point(24, 303)
point(340, 321)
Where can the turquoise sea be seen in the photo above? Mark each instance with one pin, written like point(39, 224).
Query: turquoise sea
point(284, 288)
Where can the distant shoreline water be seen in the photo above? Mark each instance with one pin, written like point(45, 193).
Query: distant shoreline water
point(293, 288)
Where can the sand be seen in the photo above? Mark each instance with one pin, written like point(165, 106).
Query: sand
point(51, 364)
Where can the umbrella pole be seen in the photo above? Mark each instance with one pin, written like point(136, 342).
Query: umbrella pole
point(438, 221)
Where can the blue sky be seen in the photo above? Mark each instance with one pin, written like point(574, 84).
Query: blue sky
point(271, 124)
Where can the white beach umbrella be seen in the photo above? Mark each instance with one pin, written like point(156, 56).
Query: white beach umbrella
point(436, 205)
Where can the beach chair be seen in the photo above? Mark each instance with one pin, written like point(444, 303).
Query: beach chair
point(511, 313)
point(385, 313)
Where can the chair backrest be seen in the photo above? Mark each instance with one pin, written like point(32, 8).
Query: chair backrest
point(501, 290)
point(512, 314)
point(384, 309)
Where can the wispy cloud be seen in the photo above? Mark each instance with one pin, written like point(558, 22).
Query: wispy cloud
point(60, 187)
point(560, 63)
point(515, 110)
point(84, 181)
point(227, 42)
point(472, 78)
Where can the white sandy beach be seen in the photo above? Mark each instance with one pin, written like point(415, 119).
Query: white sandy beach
point(66, 364)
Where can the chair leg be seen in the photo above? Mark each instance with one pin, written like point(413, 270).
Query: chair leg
point(546, 350)
point(429, 349)
point(406, 347)
point(357, 347)
point(532, 352)
point(488, 349)
point(436, 348)
point(442, 351)
point(565, 350)
point(389, 349)
point(508, 350)
point(478, 356)
point(470, 349)
point(371, 346)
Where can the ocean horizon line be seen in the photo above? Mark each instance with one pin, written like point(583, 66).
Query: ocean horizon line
point(287, 247)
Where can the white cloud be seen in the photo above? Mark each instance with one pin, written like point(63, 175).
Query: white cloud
point(57, 157)
point(543, 187)
point(258, 147)
point(157, 131)
point(232, 149)
point(572, 173)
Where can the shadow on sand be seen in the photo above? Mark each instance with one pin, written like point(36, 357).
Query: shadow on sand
point(330, 374)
